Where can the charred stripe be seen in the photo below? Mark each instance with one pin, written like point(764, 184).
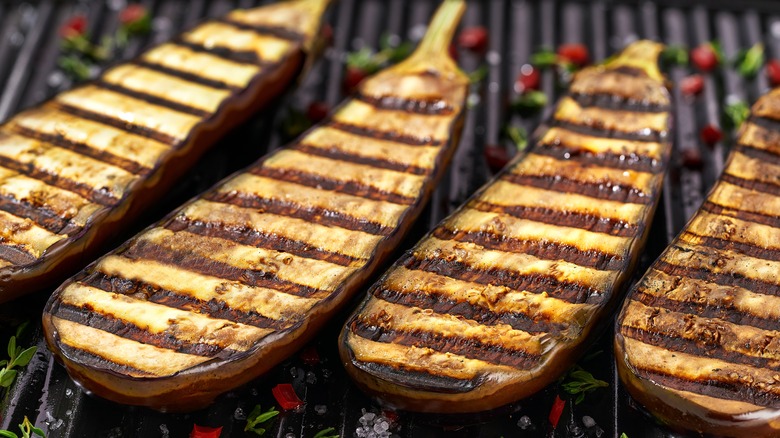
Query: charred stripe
point(192, 261)
point(275, 31)
point(336, 154)
point(768, 156)
point(755, 185)
point(415, 106)
point(187, 76)
point(420, 380)
point(584, 221)
point(619, 103)
point(628, 161)
point(604, 190)
point(240, 56)
point(772, 221)
point(246, 235)
point(290, 209)
point(363, 131)
point(124, 125)
point(543, 249)
point(42, 215)
point(535, 283)
point(323, 182)
point(15, 253)
point(595, 130)
point(723, 279)
point(470, 348)
point(93, 361)
point(153, 99)
point(741, 247)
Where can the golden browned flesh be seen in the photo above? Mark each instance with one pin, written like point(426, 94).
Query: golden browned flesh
point(498, 300)
point(85, 163)
point(236, 280)
point(697, 340)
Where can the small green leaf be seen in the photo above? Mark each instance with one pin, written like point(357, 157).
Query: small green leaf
point(24, 357)
point(623, 435)
point(12, 347)
point(529, 103)
point(8, 434)
point(7, 377)
point(74, 67)
point(675, 55)
point(363, 59)
point(21, 328)
point(479, 74)
point(327, 433)
point(736, 113)
point(518, 135)
point(544, 58)
point(751, 62)
point(38, 431)
point(257, 417)
point(580, 382)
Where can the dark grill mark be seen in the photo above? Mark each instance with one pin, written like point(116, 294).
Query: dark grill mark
point(336, 154)
point(246, 235)
point(128, 330)
point(153, 99)
point(120, 124)
point(100, 195)
point(441, 303)
point(325, 183)
point(187, 76)
point(416, 106)
point(769, 156)
point(603, 190)
point(595, 129)
point(239, 56)
point(471, 348)
point(619, 103)
point(723, 279)
point(275, 31)
point(90, 360)
point(702, 348)
point(548, 250)
point(385, 135)
point(771, 128)
point(535, 283)
point(312, 214)
point(719, 310)
point(714, 388)
point(740, 247)
point(83, 149)
point(772, 221)
point(420, 380)
point(155, 294)
point(193, 261)
point(584, 221)
point(15, 254)
point(755, 185)
point(627, 161)
point(41, 214)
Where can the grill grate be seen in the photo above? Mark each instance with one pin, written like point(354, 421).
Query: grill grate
point(29, 47)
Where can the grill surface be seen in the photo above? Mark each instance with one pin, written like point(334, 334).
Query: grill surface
point(29, 47)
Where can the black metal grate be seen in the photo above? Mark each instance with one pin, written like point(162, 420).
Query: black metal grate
point(29, 47)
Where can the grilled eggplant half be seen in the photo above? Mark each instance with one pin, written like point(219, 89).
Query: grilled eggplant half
point(239, 278)
point(698, 339)
point(85, 163)
point(499, 299)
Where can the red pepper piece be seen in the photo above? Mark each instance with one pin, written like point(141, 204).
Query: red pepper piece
point(205, 431)
point(353, 77)
point(496, 157)
point(773, 72)
point(132, 13)
point(285, 395)
point(556, 411)
point(704, 57)
point(309, 356)
point(576, 54)
point(711, 134)
point(473, 38)
point(528, 79)
point(75, 27)
point(317, 111)
point(692, 85)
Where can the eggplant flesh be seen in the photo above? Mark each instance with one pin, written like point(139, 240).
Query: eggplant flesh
point(501, 297)
point(697, 339)
point(239, 278)
point(90, 160)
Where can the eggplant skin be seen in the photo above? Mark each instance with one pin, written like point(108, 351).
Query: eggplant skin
point(501, 297)
point(89, 161)
point(236, 280)
point(697, 339)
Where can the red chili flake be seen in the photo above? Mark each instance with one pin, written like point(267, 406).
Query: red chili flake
point(556, 411)
point(75, 27)
point(692, 85)
point(205, 431)
point(473, 38)
point(285, 395)
point(309, 355)
point(353, 77)
point(691, 158)
point(132, 13)
point(528, 79)
point(711, 134)
point(576, 54)
point(704, 57)
point(317, 111)
point(496, 157)
point(773, 72)
point(392, 416)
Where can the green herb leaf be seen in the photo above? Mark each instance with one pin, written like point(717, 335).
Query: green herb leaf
point(8, 434)
point(544, 58)
point(24, 357)
point(749, 63)
point(258, 418)
point(74, 67)
point(327, 433)
point(736, 113)
point(7, 377)
point(718, 49)
point(479, 74)
point(623, 435)
point(530, 102)
point(21, 328)
point(675, 55)
point(518, 135)
point(580, 382)
point(12, 348)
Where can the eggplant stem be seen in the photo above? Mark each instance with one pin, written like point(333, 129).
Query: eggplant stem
point(641, 54)
point(434, 46)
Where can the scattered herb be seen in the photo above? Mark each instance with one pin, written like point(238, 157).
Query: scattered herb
point(327, 433)
point(692, 85)
point(749, 62)
point(556, 411)
point(473, 38)
point(528, 79)
point(529, 103)
point(518, 135)
point(575, 54)
point(675, 55)
point(706, 56)
point(736, 113)
point(544, 58)
point(479, 74)
point(711, 134)
point(369, 61)
point(74, 67)
point(134, 20)
point(285, 395)
point(623, 435)
point(27, 428)
point(581, 382)
point(258, 418)
point(199, 431)
point(17, 358)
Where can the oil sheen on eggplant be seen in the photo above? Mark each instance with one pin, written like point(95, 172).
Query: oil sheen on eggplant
point(698, 339)
point(239, 278)
point(78, 167)
point(501, 297)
